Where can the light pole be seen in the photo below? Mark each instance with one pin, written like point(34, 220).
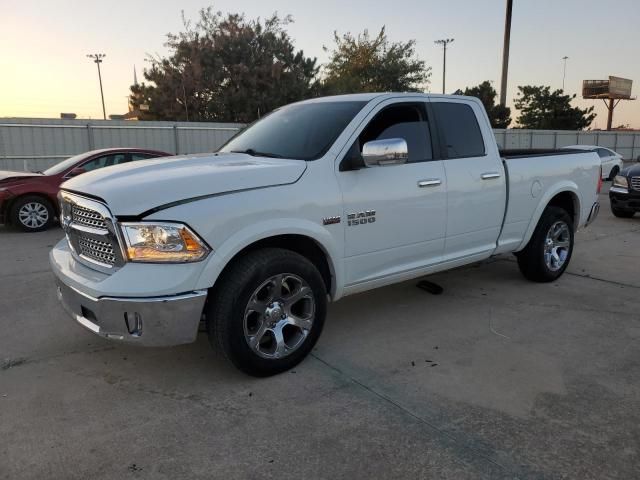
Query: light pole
point(97, 59)
point(505, 53)
point(564, 70)
point(444, 42)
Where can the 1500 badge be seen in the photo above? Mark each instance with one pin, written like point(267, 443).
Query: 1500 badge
point(361, 218)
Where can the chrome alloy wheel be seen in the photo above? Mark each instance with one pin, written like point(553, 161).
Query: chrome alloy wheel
point(556, 246)
point(279, 316)
point(33, 215)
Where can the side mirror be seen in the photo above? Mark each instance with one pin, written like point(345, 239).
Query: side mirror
point(391, 151)
point(76, 171)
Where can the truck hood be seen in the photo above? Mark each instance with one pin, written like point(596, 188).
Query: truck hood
point(8, 176)
point(132, 189)
point(630, 171)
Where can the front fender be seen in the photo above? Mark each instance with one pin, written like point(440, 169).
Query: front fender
point(225, 252)
point(555, 189)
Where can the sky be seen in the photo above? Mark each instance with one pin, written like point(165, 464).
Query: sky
point(43, 44)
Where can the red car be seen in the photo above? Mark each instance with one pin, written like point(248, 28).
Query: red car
point(29, 200)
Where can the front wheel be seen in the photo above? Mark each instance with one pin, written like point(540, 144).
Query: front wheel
point(267, 311)
point(548, 253)
point(32, 213)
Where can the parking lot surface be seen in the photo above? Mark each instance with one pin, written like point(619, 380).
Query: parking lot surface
point(495, 378)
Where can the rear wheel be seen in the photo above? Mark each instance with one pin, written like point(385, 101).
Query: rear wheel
point(622, 213)
point(547, 255)
point(267, 311)
point(614, 171)
point(32, 213)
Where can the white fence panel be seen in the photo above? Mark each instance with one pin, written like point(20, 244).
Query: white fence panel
point(36, 144)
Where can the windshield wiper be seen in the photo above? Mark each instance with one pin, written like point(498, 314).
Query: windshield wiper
point(255, 153)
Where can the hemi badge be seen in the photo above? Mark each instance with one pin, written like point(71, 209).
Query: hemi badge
point(330, 220)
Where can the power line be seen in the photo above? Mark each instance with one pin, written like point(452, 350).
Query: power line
point(505, 53)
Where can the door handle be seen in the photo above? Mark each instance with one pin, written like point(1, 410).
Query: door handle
point(429, 182)
point(490, 175)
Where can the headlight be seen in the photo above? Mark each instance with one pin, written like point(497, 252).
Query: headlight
point(162, 242)
point(620, 181)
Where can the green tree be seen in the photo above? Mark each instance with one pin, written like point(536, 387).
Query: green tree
point(542, 109)
point(225, 68)
point(373, 64)
point(499, 116)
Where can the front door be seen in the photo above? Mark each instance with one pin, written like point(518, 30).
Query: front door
point(394, 215)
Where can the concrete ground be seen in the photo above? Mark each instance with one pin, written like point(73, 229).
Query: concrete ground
point(495, 378)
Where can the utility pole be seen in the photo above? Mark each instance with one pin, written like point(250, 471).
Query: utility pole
point(505, 53)
point(444, 42)
point(564, 70)
point(97, 59)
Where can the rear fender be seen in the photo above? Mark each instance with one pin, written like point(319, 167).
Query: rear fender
point(560, 187)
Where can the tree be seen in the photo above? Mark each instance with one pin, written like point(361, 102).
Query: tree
point(542, 109)
point(499, 116)
point(225, 68)
point(366, 64)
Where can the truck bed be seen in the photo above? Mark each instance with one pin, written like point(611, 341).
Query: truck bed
point(536, 152)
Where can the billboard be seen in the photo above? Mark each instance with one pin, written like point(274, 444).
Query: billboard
point(615, 87)
point(620, 87)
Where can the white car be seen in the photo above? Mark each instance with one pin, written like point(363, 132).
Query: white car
point(317, 200)
point(611, 161)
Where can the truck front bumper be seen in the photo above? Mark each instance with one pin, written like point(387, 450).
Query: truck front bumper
point(624, 199)
point(152, 321)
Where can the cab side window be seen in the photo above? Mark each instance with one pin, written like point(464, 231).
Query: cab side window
point(142, 156)
point(407, 121)
point(105, 161)
point(459, 129)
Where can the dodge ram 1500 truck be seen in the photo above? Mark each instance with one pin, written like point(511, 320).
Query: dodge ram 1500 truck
point(317, 200)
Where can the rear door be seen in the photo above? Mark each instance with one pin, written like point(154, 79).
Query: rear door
point(476, 188)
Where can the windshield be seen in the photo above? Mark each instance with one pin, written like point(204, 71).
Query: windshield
point(302, 132)
point(63, 165)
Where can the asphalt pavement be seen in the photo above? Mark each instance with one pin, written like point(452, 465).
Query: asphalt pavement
point(495, 378)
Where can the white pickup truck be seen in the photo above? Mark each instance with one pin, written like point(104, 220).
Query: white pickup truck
point(318, 200)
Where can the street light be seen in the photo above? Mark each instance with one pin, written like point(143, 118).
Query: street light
point(564, 70)
point(444, 42)
point(97, 59)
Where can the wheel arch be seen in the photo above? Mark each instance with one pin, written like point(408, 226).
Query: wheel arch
point(317, 246)
point(564, 196)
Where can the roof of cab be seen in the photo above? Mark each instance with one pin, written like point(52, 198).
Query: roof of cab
point(367, 97)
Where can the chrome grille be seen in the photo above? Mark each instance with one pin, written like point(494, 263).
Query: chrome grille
point(635, 183)
point(87, 217)
point(91, 232)
point(96, 250)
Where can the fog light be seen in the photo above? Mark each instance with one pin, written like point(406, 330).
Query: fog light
point(133, 320)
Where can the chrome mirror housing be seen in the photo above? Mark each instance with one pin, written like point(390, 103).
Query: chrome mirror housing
point(390, 151)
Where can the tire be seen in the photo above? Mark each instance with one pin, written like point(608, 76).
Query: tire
point(622, 213)
point(32, 213)
point(253, 303)
point(537, 261)
point(612, 174)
